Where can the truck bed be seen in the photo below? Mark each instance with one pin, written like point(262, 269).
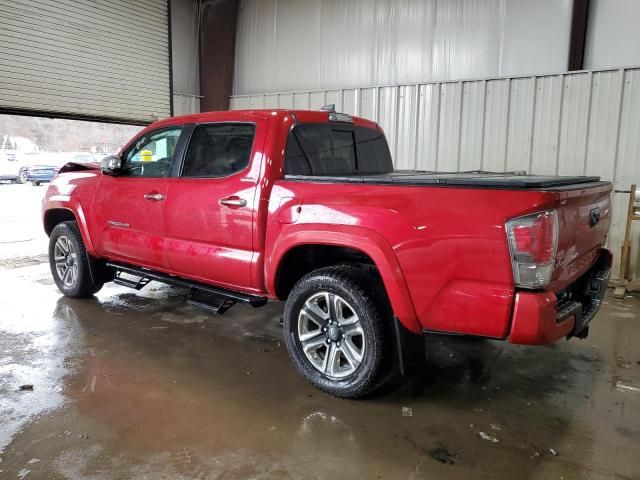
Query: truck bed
point(475, 179)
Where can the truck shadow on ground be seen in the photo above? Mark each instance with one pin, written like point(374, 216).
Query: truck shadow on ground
point(456, 363)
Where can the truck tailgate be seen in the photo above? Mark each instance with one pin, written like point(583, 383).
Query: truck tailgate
point(584, 215)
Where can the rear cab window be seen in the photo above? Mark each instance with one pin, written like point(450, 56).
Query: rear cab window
point(326, 149)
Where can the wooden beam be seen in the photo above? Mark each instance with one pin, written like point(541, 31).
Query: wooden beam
point(219, 19)
point(579, 24)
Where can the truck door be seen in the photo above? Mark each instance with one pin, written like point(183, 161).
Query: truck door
point(129, 207)
point(211, 206)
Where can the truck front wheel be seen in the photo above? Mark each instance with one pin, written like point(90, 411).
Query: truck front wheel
point(336, 331)
point(69, 262)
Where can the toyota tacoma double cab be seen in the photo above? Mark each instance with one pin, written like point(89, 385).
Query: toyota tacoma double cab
point(306, 207)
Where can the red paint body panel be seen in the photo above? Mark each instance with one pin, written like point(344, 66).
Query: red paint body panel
point(534, 319)
point(74, 192)
point(205, 237)
point(579, 243)
point(207, 240)
point(441, 251)
point(456, 265)
point(126, 226)
point(367, 241)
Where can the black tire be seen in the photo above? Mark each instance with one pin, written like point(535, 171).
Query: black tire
point(365, 297)
point(83, 286)
point(36, 184)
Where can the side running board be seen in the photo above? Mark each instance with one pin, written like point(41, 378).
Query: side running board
point(214, 303)
point(215, 299)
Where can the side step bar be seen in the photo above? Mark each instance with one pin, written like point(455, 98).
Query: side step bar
point(214, 299)
point(214, 303)
point(137, 284)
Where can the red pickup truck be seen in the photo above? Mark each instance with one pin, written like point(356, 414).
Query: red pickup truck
point(305, 206)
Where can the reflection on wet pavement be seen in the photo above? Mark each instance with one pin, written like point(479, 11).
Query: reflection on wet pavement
point(140, 385)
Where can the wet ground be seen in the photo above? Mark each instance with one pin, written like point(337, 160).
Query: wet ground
point(140, 385)
point(21, 235)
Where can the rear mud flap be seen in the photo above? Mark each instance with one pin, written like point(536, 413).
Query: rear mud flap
point(410, 348)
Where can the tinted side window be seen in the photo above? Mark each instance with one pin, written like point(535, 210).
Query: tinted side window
point(325, 149)
point(152, 154)
point(218, 150)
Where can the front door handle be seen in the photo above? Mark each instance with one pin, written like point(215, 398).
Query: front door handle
point(233, 202)
point(154, 196)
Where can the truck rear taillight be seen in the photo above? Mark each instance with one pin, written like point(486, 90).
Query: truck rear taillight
point(533, 241)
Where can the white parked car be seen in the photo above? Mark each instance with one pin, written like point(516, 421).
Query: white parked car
point(10, 167)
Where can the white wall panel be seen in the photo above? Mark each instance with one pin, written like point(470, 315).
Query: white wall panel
point(574, 124)
point(285, 100)
point(350, 101)
point(585, 123)
point(322, 44)
point(520, 134)
point(301, 101)
point(535, 36)
point(86, 58)
point(317, 100)
point(627, 166)
point(406, 141)
point(387, 114)
point(613, 36)
point(449, 127)
point(333, 97)
point(496, 125)
point(428, 126)
point(185, 104)
point(271, 101)
point(368, 103)
point(185, 17)
point(604, 124)
point(472, 126)
point(546, 125)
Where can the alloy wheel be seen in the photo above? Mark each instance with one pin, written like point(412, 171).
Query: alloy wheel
point(66, 261)
point(331, 335)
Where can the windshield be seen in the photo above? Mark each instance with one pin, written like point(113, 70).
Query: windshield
point(336, 149)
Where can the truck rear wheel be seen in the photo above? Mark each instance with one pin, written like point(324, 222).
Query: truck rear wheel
point(69, 262)
point(336, 331)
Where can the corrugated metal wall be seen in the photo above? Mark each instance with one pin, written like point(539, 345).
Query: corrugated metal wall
point(584, 123)
point(85, 58)
point(313, 44)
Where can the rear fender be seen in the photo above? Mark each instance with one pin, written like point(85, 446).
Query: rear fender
point(368, 242)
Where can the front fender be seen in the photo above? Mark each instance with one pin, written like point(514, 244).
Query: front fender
point(367, 241)
point(65, 202)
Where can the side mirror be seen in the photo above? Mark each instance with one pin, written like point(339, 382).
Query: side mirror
point(111, 165)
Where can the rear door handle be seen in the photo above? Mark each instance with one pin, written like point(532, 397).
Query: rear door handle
point(154, 196)
point(233, 202)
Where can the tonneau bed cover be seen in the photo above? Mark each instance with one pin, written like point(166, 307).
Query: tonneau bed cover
point(462, 179)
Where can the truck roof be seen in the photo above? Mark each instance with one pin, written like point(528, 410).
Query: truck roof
point(305, 116)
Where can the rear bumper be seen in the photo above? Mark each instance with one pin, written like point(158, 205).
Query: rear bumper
point(541, 318)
